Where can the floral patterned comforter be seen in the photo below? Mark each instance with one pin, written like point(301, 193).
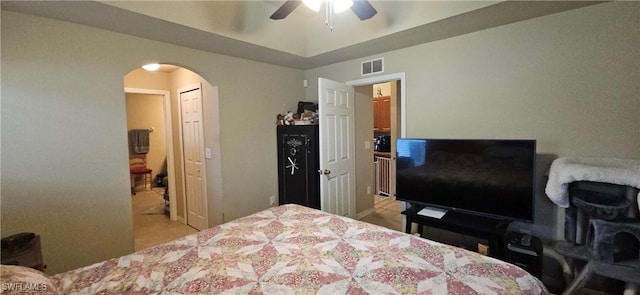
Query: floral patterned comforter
point(293, 249)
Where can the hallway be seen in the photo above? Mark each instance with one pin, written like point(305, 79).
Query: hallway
point(150, 225)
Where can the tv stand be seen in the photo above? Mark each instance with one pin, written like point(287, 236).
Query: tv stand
point(490, 229)
point(433, 212)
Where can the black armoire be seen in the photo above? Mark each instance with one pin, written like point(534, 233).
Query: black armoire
point(298, 164)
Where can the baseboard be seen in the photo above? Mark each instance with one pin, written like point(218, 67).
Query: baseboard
point(365, 213)
point(383, 201)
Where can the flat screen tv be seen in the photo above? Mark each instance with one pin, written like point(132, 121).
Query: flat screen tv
point(488, 177)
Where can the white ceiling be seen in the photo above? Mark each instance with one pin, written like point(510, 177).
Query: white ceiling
point(243, 28)
point(303, 32)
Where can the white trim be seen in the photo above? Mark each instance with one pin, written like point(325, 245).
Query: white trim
point(181, 155)
point(169, 142)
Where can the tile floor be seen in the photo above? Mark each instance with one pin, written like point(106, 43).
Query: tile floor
point(150, 225)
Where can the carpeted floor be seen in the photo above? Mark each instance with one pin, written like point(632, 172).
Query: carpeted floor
point(387, 214)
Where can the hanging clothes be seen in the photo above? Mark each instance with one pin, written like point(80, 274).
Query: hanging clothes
point(139, 141)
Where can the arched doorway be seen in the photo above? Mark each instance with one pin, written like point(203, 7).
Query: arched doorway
point(167, 82)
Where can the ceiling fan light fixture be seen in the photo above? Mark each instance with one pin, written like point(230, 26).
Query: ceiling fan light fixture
point(313, 4)
point(151, 67)
point(341, 5)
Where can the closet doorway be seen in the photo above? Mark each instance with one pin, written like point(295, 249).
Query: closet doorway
point(193, 151)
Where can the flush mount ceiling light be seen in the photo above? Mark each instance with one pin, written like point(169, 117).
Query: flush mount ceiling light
point(151, 67)
point(362, 8)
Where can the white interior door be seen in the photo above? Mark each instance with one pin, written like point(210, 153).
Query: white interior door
point(193, 149)
point(337, 150)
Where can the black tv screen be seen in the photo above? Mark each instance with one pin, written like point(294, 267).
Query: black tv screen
point(494, 178)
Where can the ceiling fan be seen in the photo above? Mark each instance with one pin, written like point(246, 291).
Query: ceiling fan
point(362, 8)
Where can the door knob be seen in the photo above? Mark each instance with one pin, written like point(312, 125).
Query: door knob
point(325, 171)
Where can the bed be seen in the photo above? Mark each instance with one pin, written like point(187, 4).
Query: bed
point(291, 249)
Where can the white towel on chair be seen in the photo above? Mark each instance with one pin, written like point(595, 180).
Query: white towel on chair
point(609, 170)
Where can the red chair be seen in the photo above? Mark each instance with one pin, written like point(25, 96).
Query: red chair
point(138, 166)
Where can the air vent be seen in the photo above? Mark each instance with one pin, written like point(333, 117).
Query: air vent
point(373, 66)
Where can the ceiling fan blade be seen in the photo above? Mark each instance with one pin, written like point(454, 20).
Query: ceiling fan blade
point(286, 9)
point(363, 9)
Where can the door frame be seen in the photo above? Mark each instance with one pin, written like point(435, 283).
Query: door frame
point(401, 76)
point(169, 145)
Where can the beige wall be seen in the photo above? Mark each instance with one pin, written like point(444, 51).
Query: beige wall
point(142, 79)
point(365, 176)
point(146, 111)
point(569, 80)
point(64, 144)
point(384, 88)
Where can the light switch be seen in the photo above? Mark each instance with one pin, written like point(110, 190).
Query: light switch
point(207, 153)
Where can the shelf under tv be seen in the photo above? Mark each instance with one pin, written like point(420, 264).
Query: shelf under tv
point(491, 229)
